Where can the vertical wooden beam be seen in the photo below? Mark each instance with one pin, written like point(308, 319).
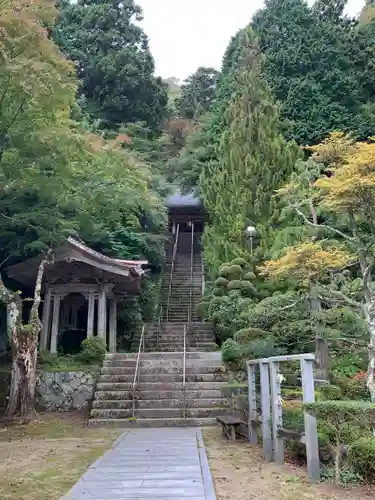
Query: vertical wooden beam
point(102, 316)
point(252, 396)
point(90, 315)
point(266, 410)
point(55, 322)
point(46, 319)
point(113, 325)
point(311, 433)
point(277, 412)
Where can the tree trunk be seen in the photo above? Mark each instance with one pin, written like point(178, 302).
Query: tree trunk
point(321, 345)
point(24, 342)
point(370, 313)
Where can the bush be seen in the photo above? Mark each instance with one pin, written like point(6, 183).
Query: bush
point(231, 352)
point(93, 350)
point(220, 281)
point(249, 335)
point(361, 457)
point(248, 288)
point(264, 348)
point(218, 300)
point(202, 309)
point(219, 292)
point(249, 276)
point(239, 261)
point(357, 387)
point(234, 285)
point(339, 417)
point(224, 270)
point(235, 272)
point(330, 392)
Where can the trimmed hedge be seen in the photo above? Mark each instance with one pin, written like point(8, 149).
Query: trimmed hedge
point(224, 270)
point(234, 285)
point(239, 261)
point(219, 292)
point(249, 276)
point(246, 335)
point(220, 281)
point(361, 457)
point(235, 271)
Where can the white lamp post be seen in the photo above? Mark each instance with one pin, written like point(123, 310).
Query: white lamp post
point(251, 232)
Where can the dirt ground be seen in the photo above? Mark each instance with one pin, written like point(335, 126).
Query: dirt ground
point(43, 459)
point(240, 473)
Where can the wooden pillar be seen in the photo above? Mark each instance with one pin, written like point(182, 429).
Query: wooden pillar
point(266, 409)
point(277, 412)
point(90, 315)
point(55, 322)
point(46, 319)
point(102, 316)
point(113, 325)
point(311, 433)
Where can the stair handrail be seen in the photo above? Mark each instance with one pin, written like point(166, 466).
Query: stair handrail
point(191, 276)
point(136, 373)
point(158, 332)
point(172, 269)
point(202, 271)
point(184, 372)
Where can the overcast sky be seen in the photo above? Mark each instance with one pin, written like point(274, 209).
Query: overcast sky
point(186, 34)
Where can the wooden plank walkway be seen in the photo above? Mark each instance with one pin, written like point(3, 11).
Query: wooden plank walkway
point(144, 464)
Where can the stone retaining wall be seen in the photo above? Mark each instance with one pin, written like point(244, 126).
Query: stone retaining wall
point(65, 390)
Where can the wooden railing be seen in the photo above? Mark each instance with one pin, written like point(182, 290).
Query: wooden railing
point(137, 369)
point(172, 269)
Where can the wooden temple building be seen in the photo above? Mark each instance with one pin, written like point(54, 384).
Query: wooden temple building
point(80, 293)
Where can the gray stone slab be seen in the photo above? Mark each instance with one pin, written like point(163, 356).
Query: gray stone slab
point(145, 463)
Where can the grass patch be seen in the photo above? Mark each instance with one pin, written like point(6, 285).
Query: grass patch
point(42, 460)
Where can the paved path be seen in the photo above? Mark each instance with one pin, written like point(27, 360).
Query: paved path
point(146, 464)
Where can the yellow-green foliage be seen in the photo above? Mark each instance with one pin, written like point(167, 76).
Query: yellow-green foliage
point(306, 262)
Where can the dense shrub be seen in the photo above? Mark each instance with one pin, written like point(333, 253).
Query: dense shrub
point(239, 261)
point(202, 309)
point(219, 292)
point(218, 300)
point(234, 285)
point(246, 335)
point(248, 288)
point(235, 272)
point(220, 281)
point(249, 276)
point(330, 392)
point(93, 350)
point(224, 270)
point(361, 457)
point(231, 352)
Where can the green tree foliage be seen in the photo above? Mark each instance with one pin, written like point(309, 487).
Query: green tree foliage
point(197, 93)
point(317, 70)
point(253, 159)
point(113, 61)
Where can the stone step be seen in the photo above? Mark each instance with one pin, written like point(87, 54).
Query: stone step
point(165, 356)
point(160, 413)
point(157, 386)
point(145, 377)
point(174, 369)
point(159, 403)
point(152, 422)
point(166, 394)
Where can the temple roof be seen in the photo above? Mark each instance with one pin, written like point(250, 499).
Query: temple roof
point(124, 272)
point(183, 200)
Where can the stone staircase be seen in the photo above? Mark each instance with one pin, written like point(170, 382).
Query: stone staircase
point(161, 400)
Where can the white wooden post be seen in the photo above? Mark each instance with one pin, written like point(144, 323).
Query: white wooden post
point(102, 316)
point(55, 322)
point(277, 412)
point(46, 319)
point(311, 433)
point(252, 396)
point(113, 325)
point(266, 409)
point(90, 314)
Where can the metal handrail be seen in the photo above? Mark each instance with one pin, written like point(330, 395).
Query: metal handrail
point(184, 372)
point(202, 271)
point(191, 276)
point(172, 268)
point(158, 331)
point(136, 374)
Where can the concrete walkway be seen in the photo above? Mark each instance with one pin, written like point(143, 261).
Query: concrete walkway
point(169, 463)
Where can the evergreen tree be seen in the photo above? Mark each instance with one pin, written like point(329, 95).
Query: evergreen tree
point(197, 93)
point(113, 61)
point(253, 160)
point(314, 65)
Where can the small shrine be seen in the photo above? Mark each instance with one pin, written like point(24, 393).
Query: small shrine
point(80, 294)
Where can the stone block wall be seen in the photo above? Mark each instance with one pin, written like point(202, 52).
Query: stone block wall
point(65, 390)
